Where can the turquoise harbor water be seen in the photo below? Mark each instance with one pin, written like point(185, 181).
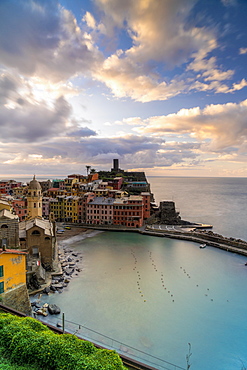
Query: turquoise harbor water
point(157, 294)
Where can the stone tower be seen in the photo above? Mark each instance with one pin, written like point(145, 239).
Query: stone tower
point(34, 200)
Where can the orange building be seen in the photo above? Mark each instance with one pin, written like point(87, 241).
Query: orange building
point(147, 201)
point(12, 269)
point(128, 211)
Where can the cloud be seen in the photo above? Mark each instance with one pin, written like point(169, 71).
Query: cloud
point(162, 38)
point(240, 85)
point(228, 3)
point(220, 126)
point(39, 37)
point(243, 51)
point(30, 123)
point(63, 154)
point(82, 132)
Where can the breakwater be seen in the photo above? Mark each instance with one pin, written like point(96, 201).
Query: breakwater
point(202, 236)
point(192, 233)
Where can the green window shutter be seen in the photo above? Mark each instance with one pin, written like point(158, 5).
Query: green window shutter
point(1, 271)
point(1, 287)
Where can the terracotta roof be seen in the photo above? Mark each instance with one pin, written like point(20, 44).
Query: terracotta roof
point(16, 251)
point(55, 189)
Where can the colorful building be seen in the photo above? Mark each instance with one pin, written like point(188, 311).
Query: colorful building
point(100, 211)
point(12, 269)
point(129, 211)
point(116, 183)
point(57, 207)
point(147, 205)
point(82, 206)
point(13, 289)
point(20, 208)
point(8, 186)
point(4, 204)
point(46, 207)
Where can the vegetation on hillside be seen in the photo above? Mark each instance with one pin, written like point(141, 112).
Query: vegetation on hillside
point(26, 341)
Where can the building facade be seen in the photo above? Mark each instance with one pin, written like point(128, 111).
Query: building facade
point(100, 211)
point(13, 289)
point(37, 236)
point(9, 230)
point(129, 211)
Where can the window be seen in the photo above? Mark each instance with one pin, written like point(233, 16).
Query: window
point(35, 252)
point(4, 226)
point(1, 287)
point(1, 271)
point(36, 232)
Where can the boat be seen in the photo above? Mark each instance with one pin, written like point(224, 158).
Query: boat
point(203, 246)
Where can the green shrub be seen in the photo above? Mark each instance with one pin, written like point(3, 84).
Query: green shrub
point(27, 341)
point(103, 360)
point(34, 324)
point(78, 345)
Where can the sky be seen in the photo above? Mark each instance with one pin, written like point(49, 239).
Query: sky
point(159, 84)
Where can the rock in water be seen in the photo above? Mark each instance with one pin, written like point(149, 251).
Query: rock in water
point(53, 309)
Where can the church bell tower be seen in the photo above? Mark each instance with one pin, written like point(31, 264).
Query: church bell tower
point(34, 200)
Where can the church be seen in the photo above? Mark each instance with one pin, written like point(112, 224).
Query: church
point(38, 236)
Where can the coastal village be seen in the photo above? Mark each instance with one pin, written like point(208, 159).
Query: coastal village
point(31, 215)
point(34, 216)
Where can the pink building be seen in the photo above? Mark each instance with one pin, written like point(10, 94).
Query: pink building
point(46, 207)
point(82, 206)
point(20, 208)
point(116, 183)
point(7, 186)
point(100, 211)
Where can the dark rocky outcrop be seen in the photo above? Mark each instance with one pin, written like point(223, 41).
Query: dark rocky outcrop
point(53, 309)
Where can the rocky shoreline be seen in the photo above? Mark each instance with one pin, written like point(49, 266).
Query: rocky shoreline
point(70, 265)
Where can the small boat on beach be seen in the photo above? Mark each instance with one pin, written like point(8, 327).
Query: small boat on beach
point(203, 246)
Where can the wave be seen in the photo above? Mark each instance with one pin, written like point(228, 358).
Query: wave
point(79, 237)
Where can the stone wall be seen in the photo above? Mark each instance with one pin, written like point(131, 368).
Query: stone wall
point(17, 299)
point(168, 214)
point(9, 230)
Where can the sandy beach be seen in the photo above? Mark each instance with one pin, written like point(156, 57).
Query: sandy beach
point(67, 234)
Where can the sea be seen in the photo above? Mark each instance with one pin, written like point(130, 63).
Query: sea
point(162, 301)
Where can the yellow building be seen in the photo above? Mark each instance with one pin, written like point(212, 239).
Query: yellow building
point(4, 204)
point(20, 192)
point(75, 205)
point(68, 203)
point(101, 192)
point(69, 182)
point(12, 269)
point(13, 289)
